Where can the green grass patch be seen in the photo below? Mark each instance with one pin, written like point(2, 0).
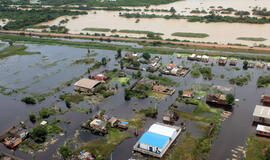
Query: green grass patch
point(240, 80)
point(15, 50)
point(188, 34)
point(104, 146)
point(74, 98)
point(138, 32)
point(137, 121)
point(163, 80)
point(260, 39)
point(256, 147)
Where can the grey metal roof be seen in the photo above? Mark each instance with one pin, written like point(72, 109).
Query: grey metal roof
point(262, 111)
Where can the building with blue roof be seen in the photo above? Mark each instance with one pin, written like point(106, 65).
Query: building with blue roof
point(157, 139)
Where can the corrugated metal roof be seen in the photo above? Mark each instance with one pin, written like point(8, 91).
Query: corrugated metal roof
point(154, 139)
point(87, 83)
point(162, 130)
point(262, 111)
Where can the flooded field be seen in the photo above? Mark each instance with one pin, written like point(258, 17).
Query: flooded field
point(41, 73)
point(222, 33)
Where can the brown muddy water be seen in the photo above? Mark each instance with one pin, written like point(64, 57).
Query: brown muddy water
point(40, 73)
point(222, 33)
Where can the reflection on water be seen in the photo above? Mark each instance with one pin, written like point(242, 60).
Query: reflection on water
point(219, 32)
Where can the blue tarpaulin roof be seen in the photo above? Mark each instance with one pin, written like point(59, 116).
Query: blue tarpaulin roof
point(124, 122)
point(154, 139)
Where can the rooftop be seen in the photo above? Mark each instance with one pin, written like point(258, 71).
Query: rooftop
point(154, 139)
point(262, 111)
point(263, 128)
point(86, 83)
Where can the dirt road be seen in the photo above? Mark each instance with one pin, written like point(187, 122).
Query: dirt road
point(267, 49)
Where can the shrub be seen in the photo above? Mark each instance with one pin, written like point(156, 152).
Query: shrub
point(32, 117)
point(230, 99)
point(149, 112)
point(44, 113)
point(39, 134)
point(28, 100)
point(65, 151)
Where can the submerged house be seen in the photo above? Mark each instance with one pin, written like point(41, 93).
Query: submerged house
point(14, 137)
point(100, 77)
point(222, 61)
point(99, 125)
point(163, 89)
point(86, 85)
point(192, 57)
point(217, 98)
point(157, 139)
point(170, 117)
point(261, 114)
point(251, 65)
point(131, 55)
point(116, 123)
point(260, 65)
point(265, 98)
point(233, 62)
point(205, 58)
point(187, 94)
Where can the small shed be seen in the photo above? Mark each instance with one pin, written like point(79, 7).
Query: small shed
point(261, 114)
point(98, 125)
point(113, 121)
point(100, 77)
point(265, 98)
point(263, 130)
point(187, 94)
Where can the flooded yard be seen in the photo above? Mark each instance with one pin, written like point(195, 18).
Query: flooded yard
point(42, 73)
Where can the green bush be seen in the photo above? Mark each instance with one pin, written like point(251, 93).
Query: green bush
point(149, 112)
point(44, 113)
point(230, 99)
point(39, 134)
point(263, 81)
point(29, 100)
point(32, 117)
point(65, 151)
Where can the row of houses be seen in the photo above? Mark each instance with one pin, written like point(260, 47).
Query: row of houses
point(172, 69)
point(195, 57)
point(99, 123)
point(261, 116)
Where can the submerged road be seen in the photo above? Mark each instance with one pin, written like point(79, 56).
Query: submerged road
point(266, 49)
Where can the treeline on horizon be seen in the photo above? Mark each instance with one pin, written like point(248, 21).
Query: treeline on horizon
point(23, 18)
point(206, 18)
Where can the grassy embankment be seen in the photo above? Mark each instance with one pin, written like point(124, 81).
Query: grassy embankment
point(259, 39)
point(15, 50)
point(257, 147)
point(188, 34)
point(153, 50)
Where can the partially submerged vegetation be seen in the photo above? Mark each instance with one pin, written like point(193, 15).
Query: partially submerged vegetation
point(263, 81)
point(252, 39)
point(188, 34)
point(240, 80)
point(97, 29)
point(15, 50)
point(163, 80)
point(102, 147)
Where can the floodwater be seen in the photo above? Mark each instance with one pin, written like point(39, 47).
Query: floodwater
point(47, 70)
point(222, 33)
